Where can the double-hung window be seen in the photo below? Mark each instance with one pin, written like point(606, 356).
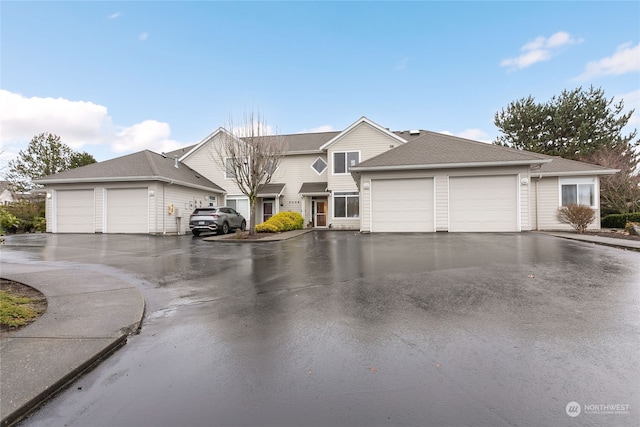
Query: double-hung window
point(344, 160)
point(346, 204)
point(578, 191)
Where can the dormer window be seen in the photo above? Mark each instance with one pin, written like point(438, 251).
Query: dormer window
point(319, 165)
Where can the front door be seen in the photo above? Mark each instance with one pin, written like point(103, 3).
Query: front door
point(320, 213)
point(267, 210)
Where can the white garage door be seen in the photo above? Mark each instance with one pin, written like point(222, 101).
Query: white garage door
point(75, 211)
point(486, 203)
point(127, 210)
point(402, 205)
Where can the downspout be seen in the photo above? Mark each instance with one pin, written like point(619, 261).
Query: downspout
point(538, 202)
point(164, 201)
point(164, 212)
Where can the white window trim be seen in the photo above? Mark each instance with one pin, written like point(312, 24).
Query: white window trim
point(326, 165)
point(333, 156)
point(579, 181)
point(343, 194)
point(226, 169)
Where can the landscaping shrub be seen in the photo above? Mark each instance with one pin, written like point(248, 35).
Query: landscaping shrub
point(619, 220)
point(283, 221)
point(578, 216)
point(30, 216)
point(8, 221)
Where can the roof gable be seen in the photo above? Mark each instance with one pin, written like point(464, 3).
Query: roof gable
point(194, 148)
point(360, 122)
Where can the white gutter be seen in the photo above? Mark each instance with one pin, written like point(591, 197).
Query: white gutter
point(589, 173)
point(448, 165)
point(128, 179)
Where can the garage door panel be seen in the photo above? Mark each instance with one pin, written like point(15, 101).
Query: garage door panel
point(127, 210)
point(75, 211)
point(485, 203)
point(402, 205)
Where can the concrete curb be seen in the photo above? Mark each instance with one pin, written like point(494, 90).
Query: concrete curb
point(613, 242)
point(78, 329)
point(274, 237)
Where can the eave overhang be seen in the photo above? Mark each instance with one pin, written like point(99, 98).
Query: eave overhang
point(448, 165)
point(127, 179)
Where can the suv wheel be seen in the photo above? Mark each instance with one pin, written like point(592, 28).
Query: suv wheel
point(243, 226)
point(225, 228)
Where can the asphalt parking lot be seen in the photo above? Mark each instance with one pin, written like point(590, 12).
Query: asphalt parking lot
point(340, 328)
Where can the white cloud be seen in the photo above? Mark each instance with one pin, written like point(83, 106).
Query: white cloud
point(626, 59)
point(540, 49)
point(76, 122)
point(149, 134)
point(114, 15)
point(323, 128)
point(143, 36)
point(79, 124)
point(474, 134)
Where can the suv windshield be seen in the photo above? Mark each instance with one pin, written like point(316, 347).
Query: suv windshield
point(204, 211)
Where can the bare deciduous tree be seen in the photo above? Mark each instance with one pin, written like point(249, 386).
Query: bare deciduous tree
point(249, 154)
point(619, 192)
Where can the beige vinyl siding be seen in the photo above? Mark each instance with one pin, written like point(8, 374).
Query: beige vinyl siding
point(548, 198)
point(294, 170)
point(184, 201)
point(442, 202)
point(369, 142)
point(204, 161)
point(525, 190)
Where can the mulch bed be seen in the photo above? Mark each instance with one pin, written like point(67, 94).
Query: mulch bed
point(39, 301)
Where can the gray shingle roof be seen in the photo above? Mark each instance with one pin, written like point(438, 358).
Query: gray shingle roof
point(143, 165)
point(560, 165)
point(432, 149)
point(301, 142)
point(310, 188)
point(270, 190)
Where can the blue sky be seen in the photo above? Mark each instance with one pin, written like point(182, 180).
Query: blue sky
point(116, 77)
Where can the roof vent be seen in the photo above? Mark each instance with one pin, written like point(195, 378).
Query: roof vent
point(176, 161)
point(414, 132)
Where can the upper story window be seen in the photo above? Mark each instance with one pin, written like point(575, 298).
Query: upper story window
point(319, 165)
point(578, 192)
point(343, 161)
point(271, 166)
point(229, 171)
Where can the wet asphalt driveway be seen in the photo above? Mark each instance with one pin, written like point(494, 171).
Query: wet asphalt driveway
point(343, 329)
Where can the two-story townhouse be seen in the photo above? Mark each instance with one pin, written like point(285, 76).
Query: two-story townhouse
point(363, 178)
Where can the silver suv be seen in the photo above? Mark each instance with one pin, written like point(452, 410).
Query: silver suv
point(219, 219)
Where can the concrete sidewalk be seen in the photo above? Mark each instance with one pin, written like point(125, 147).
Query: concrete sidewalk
point(89, 316)
point(600, 240)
